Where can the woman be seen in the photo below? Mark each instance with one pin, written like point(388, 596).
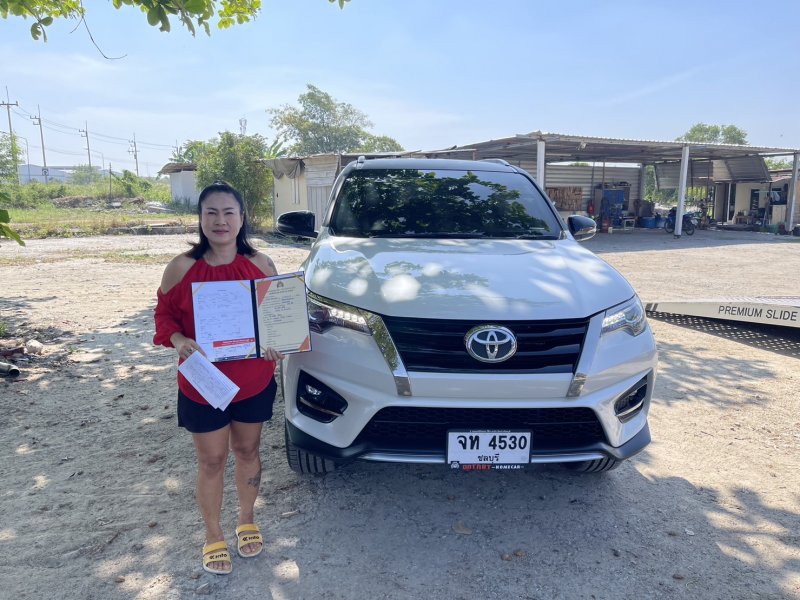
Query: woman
point(222, 254)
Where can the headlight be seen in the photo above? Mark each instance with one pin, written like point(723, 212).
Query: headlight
point(324, 314)
point(628, 316)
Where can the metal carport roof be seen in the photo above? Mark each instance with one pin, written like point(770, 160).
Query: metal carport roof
point(561, 147)
point(690, 160)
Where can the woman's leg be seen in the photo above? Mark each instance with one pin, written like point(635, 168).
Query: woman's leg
point(212, 455)
point(246, 444)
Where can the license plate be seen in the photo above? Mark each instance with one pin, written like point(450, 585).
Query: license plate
point(484, 450)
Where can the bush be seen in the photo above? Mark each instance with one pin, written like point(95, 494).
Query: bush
point(40, 195)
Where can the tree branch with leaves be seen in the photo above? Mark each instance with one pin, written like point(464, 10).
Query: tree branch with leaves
point(5, 219)
point(192, 14)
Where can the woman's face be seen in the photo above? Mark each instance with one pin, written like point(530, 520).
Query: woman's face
point(221, 218)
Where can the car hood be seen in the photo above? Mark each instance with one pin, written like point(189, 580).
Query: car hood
point(465, 279)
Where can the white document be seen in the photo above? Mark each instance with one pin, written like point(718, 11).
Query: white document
point(207, 379)
point(223, 319)
point(282, 316)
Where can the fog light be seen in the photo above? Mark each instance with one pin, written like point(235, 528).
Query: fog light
point(317, 401)
point(313, 391)
point(631, 402)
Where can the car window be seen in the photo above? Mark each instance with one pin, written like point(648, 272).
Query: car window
point(441, 203)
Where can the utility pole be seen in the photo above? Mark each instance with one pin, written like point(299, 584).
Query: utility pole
point(85, 133)
point(133, 150)
point(109, 180)
point(8, 106)
point(243, 126)
point(38, 121)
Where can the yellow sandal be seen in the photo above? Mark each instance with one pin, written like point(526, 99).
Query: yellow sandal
point(249, 533)
point(216, 552)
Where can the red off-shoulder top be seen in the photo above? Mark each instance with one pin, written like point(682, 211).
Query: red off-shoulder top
point(174, 313)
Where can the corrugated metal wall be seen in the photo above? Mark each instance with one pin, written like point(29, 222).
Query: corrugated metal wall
point(587, 177)
point(320, 172)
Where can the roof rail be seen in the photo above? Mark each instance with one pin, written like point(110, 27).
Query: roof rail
point(499, 161)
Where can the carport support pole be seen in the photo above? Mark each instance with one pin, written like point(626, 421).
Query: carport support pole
point(540, 163)
point(682, 191)
point(791, 200)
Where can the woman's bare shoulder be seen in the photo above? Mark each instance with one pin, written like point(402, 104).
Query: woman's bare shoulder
point(264, 262)
point(175, 271)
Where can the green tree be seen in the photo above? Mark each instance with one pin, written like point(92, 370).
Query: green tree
point(237, 159)
point(191, 13)
point(652, 193)
point(776, 164)
point(321, 125)
point(9, 158)
point(190, 152)
point(85, 175)
point(130, 185)
point(379, 143)
point(715, 134)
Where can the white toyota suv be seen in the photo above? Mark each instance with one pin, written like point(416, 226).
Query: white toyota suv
point(455, 319)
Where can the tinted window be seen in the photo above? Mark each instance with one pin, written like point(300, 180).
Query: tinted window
point(414, 203)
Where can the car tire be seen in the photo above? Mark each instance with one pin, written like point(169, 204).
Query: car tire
point(600, 465)
point(304, 462)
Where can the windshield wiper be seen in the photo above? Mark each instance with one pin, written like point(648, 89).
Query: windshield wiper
point(536, 236)
point(527, 235)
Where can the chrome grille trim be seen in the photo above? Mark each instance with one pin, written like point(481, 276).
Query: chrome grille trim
point(390, 353)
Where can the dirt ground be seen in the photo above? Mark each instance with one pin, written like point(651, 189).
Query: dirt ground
point(97, 497)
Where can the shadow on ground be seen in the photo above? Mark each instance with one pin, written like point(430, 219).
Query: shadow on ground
point(99, 503)
point(781, 340)
point(657, 239)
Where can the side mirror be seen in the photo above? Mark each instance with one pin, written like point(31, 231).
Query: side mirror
point(299, 223)
point(582, 228)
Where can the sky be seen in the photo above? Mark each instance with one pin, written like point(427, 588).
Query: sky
point(429, 73)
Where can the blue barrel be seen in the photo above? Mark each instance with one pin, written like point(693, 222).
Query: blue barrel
point(647, 222)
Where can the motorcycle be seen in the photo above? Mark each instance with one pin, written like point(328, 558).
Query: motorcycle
point(687, 221)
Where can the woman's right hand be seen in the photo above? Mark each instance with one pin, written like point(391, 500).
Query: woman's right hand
point(184, 346)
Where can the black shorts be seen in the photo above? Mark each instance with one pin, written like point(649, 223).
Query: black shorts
point(202, 418)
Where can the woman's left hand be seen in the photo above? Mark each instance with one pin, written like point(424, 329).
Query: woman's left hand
point(272, 354)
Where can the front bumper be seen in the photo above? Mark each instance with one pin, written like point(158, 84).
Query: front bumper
point(372, 452)
point(586, 427)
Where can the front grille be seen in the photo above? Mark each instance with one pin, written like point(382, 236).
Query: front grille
point(435, 345)
point(426, 428)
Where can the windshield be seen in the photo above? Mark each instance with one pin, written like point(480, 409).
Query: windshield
point(416, 203)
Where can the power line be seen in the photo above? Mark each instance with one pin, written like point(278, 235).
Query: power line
point(71, 132)
point(66, 152)
point(135, 146)
point(110, 137)
point(76, 131)
point(57, 124)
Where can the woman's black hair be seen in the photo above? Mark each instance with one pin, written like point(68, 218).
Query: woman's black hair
point(243, 245)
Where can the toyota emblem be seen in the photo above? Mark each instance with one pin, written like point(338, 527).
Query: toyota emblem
point(490, 343)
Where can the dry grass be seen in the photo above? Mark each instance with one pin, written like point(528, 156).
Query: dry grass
point(51, 221)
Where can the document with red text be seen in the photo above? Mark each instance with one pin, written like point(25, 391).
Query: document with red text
point(236, 320)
